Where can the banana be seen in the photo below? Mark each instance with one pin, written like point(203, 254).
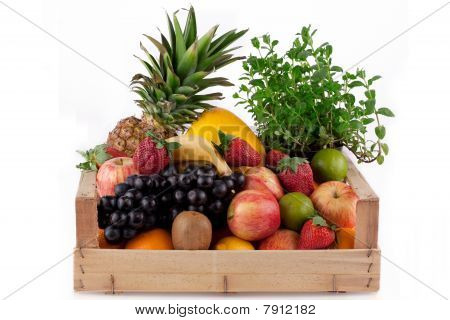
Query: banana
point(196, 148)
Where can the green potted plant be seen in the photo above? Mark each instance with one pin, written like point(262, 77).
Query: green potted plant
point(301, 102)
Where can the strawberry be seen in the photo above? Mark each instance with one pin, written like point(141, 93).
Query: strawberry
point(113, 152)
point(237, 152)
point(296, 175)
point(153, 154)
point(316, 234)
point(273, 156)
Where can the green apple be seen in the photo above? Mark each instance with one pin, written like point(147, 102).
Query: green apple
point(329, 165)
point(295, 209)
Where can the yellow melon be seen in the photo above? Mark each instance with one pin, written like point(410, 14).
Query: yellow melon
point(211, 121)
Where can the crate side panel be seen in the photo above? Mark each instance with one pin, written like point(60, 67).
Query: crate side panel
point(268, 262)
point(250, 282)
point(359, 183)
point(86, 211)
point(367, 215)
point(367, 208)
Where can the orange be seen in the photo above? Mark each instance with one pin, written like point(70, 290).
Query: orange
point(345, 238)
point(102, 243)
point(156, 239)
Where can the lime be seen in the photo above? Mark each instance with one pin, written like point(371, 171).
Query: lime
point(329, 165)
point(295, 209)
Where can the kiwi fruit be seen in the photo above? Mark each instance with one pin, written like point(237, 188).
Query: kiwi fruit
point(191, 230)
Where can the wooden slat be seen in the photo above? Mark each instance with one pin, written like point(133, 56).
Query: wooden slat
point(86, 187)
point(182, 261)
point(243, 271)
point(154, 282)
point(86, 211)
point(359, 183)
point(366, 235)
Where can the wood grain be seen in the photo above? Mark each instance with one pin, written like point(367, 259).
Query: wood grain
point(359, 183)
point(366, 235)
point(86, 211)
point(243, 271)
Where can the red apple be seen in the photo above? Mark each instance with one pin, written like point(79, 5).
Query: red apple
point(282, 239)
point(263, 179)
point(112, 172)
point(253, 215)
point(336, 202)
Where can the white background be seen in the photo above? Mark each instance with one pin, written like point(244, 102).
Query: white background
point(53, 102)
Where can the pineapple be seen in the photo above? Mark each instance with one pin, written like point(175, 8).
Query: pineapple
point(169, 93)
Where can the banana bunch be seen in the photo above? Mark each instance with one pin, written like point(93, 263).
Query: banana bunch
point(198, 149)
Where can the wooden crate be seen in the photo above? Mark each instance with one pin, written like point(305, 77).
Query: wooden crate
point(119, 270)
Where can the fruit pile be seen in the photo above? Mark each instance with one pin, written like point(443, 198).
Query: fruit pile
point(143, 202)
point(171, 195)
point(191, 176)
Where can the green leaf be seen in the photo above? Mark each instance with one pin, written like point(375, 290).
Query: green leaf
point(205, 41)
point(171, 146)
point(172, 35)
point(225, 40)
point(356, 83)
point(188, 63)
point(380, 131)
point(225, 140)
point(319, 221)
point(370, 94)
point(211, 82)
point(336, 69)
point(180, 47)
point(255, 43)
point(194, 78)
point(95, 156)
point(385, 112)
point(257, 82)
point(186, 90)
point(385, 148)
point(190, 29)
point(373, 79)
point(178, 98)
point(158, 45)
point(370, 106)
point(319, 74)
point(380, 159)
point(172, 80)
point(367, 121)
point(355, 124)
point(290, 164)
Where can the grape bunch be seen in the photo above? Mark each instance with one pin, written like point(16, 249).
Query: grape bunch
point(146, 201)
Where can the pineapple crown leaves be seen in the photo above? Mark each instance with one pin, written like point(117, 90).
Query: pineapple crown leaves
point(93, 157)
point(319, 221)
point(161, 143)
point(180, 73)
point(291, 164)
point(225, 140)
